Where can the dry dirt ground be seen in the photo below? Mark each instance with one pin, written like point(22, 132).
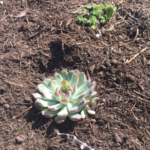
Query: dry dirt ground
point(40, 37)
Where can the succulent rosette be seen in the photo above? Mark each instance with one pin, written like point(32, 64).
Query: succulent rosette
point(66, 94)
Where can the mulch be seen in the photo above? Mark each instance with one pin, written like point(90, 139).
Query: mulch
point(41, 37)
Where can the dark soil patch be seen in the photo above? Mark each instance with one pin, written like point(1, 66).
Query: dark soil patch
point(38, 38)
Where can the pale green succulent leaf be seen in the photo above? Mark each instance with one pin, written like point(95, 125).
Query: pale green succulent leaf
point(45, 91)
point(59, 120)
point(49, 114)
point(44, 103)
point(77, 71)
point(65, 97)
point(83, 87)
point(82, 79)
point(74, 80)
point(68, 95)
point(84, 113)
point(74, 90)
point(89, 91)
point(55, 107)
point(93, 104)
point(91, 112)
point(72, 108)
point(75, 116)
point(81, 104)
point(64, 74)
point(46, 82)
point(53, 85)
point(63, 113)
point(92, 95)
point(64, 101)
point(70, 74)
point(78, 98)
point(37, 95)
point(95, 99)
point(58, 78)
point(57, 95)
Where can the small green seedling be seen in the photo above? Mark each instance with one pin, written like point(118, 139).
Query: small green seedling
point(81, 20)
point(92, 21)
point(95, 14)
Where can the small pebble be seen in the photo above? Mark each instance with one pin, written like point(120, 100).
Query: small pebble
point(2, 101)
point(141, 87)
point(107, 63)
point(21, 138)
point(103, 67)
point(130, 78)
point(91, 69)
point(6, 106)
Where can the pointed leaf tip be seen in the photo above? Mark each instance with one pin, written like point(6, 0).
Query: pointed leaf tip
point(75, 117)
point(91, 112)
point(59, 120)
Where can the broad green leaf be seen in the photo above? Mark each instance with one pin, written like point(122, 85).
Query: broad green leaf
point(109, 13)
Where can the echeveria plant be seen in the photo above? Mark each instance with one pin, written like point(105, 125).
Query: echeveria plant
point(66, 94)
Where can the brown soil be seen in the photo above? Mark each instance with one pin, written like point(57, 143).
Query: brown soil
point(40, 37)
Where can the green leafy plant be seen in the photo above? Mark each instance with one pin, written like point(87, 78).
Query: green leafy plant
point(96, 14)
point(79, 12)
point(109, 13)
point(81, 20)
point(92, 21)
point(66, 94)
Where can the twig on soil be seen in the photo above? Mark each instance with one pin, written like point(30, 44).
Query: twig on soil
point(83, 145)
point(31, 83)
point(131, 16)
point(12, 83)
point(140, 94)
point(136, 55)
point(137, 32)
point(137, 97)
point(122, 18)
point(22, 113)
